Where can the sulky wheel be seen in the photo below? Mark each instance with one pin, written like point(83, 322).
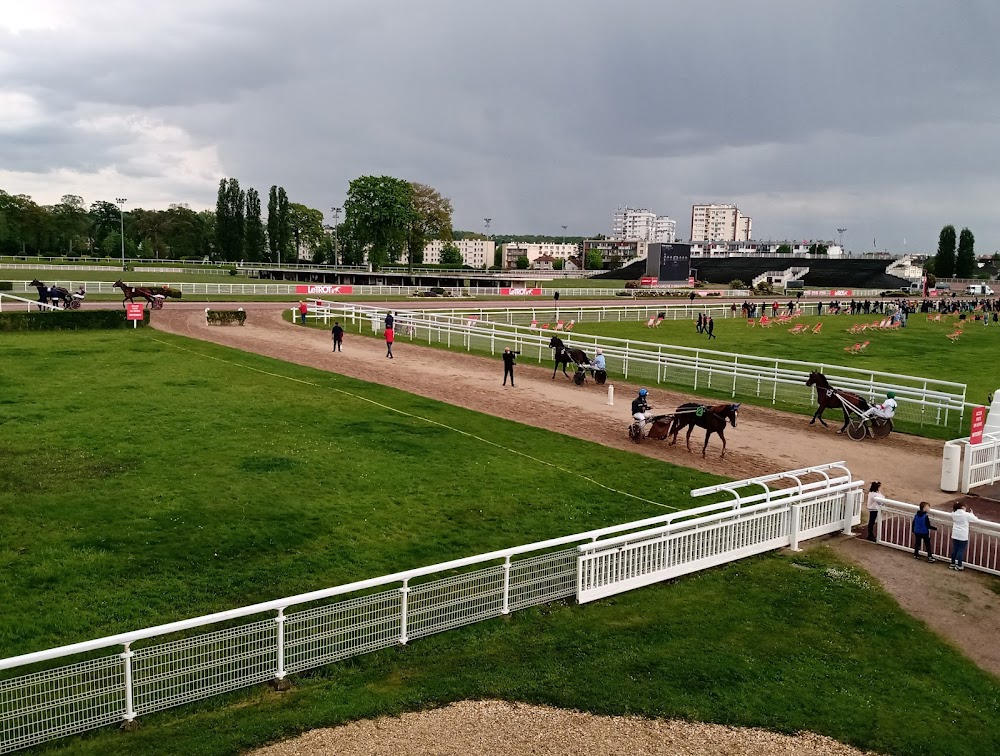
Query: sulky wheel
point(600, 377)
point(634, 433)
point(579, 377)
point(157, 304)
point(881, 427)
point(857, 430)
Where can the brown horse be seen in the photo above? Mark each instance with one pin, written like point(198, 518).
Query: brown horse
point(712, 418)
point(128, 292)
point(830, 398)
point(565, 355)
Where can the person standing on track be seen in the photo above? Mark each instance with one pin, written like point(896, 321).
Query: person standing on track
point(961, 516)
point(389, 338)
point(508, 365)
point(338, 337)
point(303, 311)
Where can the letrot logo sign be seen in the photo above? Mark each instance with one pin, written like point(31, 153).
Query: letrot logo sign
point(520, 292)
point(314, 289)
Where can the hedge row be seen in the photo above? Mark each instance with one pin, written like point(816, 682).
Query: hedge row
point(73, 320)
point(225, 317)
point(6, 286)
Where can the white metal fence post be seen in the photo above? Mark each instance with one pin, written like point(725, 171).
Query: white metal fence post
point(279, 621)
point(405, 591)
point(794, 514)
point(506, 586)
point(129, 705)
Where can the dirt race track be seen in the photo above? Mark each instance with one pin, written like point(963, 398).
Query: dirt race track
point(765, 440)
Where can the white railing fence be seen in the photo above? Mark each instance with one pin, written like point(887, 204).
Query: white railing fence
point(925, 401)
point(15, 303)
point(895, 529)
point(165, 666)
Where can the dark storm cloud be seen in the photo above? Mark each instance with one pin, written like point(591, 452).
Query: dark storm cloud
point(540, 114)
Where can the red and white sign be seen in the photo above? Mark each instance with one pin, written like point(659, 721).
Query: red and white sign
point(134, 311)
point(978, 423)
point(320, 289)
point(690, 280)
point(648, 281)
point(829, 293)
point(520, 292)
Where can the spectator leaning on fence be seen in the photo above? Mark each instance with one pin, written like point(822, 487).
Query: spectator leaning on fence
point(873, 507)
point(922, 528)
point(960, 519)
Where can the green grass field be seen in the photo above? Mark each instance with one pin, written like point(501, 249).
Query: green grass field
point(920, 349)
point(132, 276)
point(149, 478)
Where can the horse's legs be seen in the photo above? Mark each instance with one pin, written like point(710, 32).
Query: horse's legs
point(708, 435)
point(722, 435)
point(847, 419)
point(687, 439)
point(819, 415)
point(555, 369)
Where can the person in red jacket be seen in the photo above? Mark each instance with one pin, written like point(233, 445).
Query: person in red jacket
point(389, 336)
point(303, 310)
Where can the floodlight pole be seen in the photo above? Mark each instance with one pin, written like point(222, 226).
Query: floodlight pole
point(486, 222)
point(120, 201)
point(336, 235)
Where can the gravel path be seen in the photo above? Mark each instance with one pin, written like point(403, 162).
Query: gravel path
point(471, 728)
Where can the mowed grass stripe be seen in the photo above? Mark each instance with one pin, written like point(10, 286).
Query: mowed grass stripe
point(144, 485)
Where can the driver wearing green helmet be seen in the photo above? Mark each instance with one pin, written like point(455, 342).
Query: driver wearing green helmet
point(887, 408)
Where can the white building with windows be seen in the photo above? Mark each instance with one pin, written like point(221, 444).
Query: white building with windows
point(476, 253)
point(513, 250)
point(642, 224)
point(719, 223)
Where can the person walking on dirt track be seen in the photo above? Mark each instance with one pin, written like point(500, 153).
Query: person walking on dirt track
point(338, 336)
point(508, 365)
point(303, 311)
point(389, 337)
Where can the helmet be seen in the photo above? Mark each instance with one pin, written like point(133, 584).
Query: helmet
point(643, 392)
point(600, 351)
point(891, 394)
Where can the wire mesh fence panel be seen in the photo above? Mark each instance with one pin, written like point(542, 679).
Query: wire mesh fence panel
point(329, 633)
point(52, 704)
point(454, 601)
point(543, 578)
point(186, 670)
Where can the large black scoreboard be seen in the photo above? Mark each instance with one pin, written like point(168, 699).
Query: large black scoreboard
point(669, 263)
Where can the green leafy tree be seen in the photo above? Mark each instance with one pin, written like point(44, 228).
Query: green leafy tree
point(965, 261)
point(188, 234)
point(595, 261)
point(324, 251)
point(230, 221)
point(944, 261)
point(111, 246)
point(431, 220)
point(450, 256)
point(272, 225)
point(818, 249)
point(104, 219)
point(558, 264)
point(279, 228)
point(522, 262)
point(254, 227)
point(151, 227)
point(306, 225)
point(379, 214)
point(784, 249)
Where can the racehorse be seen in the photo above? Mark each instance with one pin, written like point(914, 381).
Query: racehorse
point(830, 398)
point(128, 292)
point(711, 418)
point(51, 294)
point(565, 355)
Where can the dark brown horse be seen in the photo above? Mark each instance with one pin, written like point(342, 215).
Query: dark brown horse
point(565, 355)
point(128, 292)
point(710, 417)
point(830, 398)
point(51, 294)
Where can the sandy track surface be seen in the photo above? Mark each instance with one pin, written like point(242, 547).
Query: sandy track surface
point(471, 728)
point(766, 440)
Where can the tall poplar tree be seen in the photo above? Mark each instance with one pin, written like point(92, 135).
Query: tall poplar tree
point(965, 263)
point(284, 225)
point(944, 261)
point(272, 224)
point(254, 227)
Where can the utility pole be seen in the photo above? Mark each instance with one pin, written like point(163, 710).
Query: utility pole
point(486, 222)
point(120, 201)
point(336, 235)
point(841, 232)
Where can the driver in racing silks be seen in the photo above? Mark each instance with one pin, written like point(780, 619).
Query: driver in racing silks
point(598, 361)
point(640, 409)
point(886, 409)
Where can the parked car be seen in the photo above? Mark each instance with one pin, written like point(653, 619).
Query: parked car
point(979, 290)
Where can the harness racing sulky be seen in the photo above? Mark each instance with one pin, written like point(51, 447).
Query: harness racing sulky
point(712, 418)
point(565, 355)
point(57, 296)
point(155, 301)
point(861, 419)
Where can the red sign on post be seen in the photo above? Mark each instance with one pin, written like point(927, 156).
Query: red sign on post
point(978, 423)
point(134, 311)
point(648, 281)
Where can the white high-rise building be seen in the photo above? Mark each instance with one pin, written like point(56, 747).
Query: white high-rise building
point(639, 223)
point(719, 223)
point(476, 253)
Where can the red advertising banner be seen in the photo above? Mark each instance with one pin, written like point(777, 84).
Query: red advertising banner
point(324, 289)
point(829, 293)
point(134, 311)
point(648, 281)
point(978, 422)
point(520, 292)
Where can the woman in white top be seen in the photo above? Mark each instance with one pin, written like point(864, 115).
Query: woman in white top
point(873, 507)
point(960, 519)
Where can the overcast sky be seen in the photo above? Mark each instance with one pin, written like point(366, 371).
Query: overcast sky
point(879, 116)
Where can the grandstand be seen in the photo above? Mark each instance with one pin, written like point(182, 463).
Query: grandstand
point(834, 273)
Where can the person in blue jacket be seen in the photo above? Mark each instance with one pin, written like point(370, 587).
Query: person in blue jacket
point(922, 531)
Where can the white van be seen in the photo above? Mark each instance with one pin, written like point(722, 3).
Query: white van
point(979, 290)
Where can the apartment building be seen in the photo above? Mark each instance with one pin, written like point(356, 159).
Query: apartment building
point(513, 250)
point(719, 223)
point(476, 253)
point(639, 223)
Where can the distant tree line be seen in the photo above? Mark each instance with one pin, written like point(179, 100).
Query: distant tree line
point(947, 263)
